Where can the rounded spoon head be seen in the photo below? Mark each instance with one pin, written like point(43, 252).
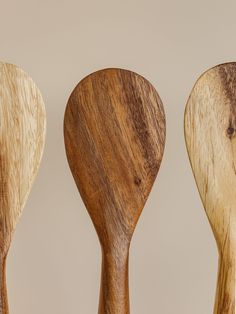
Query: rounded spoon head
point(22, 132)
point(114, 132)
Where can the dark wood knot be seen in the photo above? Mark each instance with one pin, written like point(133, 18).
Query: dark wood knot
point(137, 181)
point(230, 131)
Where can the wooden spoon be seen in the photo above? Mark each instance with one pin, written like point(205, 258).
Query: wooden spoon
point(210, 133)
point(114, 136)
point(22, 131)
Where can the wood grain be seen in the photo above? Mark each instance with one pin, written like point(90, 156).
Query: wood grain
point(114, 131)
point(210, 129)
point(22, 132)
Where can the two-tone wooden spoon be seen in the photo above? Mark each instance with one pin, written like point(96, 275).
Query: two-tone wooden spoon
point(114, 131)
point(22, 132)
point(210, 133)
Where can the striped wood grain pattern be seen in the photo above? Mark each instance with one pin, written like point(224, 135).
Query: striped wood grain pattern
point(114, 136)
point(210, 133)
point(22, 132)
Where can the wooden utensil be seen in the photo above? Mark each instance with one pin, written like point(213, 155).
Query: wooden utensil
point(22, 132)
point(114, 131)
point(210, 133)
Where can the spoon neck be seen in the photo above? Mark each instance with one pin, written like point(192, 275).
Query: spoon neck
point(226, 284)
point(3, 287)
point(114, 292)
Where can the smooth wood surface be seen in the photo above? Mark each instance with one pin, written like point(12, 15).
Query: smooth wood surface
point(210, 133)
point(114, 131)
point(22, 132)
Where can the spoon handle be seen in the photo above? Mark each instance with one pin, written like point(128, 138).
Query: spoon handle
point(226, 285)
point(114, 291)
point(3, 287)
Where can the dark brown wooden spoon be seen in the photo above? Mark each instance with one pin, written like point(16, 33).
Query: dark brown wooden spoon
point(114, 132)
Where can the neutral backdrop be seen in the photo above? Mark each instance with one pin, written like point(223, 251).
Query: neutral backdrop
point(54, 260)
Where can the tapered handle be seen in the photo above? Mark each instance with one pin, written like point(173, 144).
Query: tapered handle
point(114, 291)
point(3, 287)
point(226, 286)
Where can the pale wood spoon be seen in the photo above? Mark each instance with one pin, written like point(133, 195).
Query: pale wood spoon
point(114, 131)
point(210, 133)
point(22, 132)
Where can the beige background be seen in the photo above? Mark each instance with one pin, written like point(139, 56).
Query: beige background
point(54, 261)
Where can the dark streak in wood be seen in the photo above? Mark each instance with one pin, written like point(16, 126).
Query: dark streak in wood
point(227, 74)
